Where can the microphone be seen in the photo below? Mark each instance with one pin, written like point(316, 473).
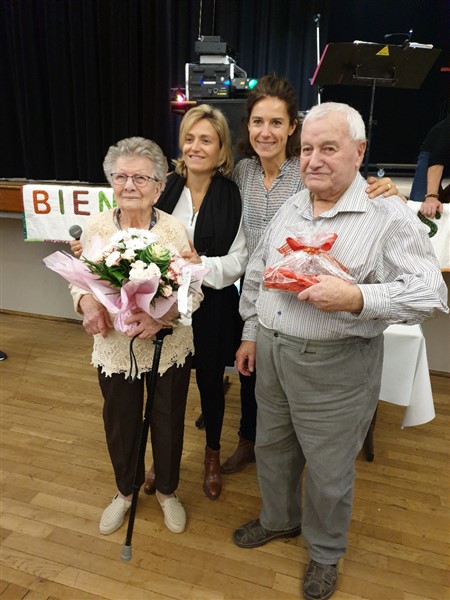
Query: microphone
point(75, 231)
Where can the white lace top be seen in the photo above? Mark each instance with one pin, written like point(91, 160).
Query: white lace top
point(112, 353)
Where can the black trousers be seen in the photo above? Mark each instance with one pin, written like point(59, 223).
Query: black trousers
point(212, 398)
point(122, 418)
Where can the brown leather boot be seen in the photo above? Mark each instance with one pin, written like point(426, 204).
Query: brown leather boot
point(212, 485)
point(243, 455)
point(150, 482)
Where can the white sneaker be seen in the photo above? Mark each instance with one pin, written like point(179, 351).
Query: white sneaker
point(174, 513)
point(113, 515)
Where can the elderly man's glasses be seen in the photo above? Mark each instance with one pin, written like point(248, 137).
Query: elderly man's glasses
point(138, 180)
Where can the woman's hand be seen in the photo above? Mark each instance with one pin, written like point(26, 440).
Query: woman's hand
point(95, 316)
point(383, 186)
point(76, 247)
point(171, 316)
point(145, 326)
point(430, 206)
point(191, 255)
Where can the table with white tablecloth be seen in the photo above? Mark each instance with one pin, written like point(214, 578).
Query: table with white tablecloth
point(406, 379)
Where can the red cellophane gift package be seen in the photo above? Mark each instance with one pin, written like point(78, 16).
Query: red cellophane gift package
point(304, 258)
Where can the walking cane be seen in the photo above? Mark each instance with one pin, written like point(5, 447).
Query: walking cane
point(126, 548)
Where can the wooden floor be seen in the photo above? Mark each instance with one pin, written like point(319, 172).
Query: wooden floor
point(56, 479)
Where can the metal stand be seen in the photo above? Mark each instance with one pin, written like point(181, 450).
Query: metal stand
point(370, 121)
point(317, 22)
point(367, 64)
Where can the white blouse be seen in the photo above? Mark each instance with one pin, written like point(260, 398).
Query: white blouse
point(224, 270)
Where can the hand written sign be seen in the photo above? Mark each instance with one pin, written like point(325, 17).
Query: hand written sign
point(50, 210)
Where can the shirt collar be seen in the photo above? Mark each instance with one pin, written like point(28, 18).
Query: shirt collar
point(354, 199)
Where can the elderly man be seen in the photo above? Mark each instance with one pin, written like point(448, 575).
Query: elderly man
point(319, 353)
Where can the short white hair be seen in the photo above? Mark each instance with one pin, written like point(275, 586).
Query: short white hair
point(356, 127)
point(137, 147)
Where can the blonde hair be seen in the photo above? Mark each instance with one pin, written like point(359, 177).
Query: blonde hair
point(220, 124)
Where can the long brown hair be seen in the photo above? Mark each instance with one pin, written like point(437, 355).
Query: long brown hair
point(276, 87)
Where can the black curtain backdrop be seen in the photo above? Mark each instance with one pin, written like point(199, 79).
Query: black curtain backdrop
point(78, 75)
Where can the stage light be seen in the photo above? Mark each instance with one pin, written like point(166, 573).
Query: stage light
point(177, 94)
point(252, 83)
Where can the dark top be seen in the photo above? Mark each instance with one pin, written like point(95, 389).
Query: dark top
point(217, 325)
point(437, 143)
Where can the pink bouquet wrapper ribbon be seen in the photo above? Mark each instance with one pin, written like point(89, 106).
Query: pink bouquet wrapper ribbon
point(121, 302)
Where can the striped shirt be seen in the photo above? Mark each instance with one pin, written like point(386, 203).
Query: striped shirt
point(259, 204)
point(385, 249)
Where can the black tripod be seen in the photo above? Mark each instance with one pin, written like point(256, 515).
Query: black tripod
point(158, 342)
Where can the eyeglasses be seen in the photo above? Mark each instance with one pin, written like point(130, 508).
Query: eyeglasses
point(138, 180)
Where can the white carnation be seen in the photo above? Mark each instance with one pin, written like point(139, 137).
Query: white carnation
point(129, 254)
point(139, 264)
point(166, 291)
point(154, 270)
point(113, 259)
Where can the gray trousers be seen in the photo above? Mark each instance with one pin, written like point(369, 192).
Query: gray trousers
point(316, 400)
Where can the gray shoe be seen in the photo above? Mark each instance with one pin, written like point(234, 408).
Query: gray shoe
point(253, 534)
point(320, 581)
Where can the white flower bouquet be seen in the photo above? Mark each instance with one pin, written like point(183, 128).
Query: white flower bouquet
point(133, 271)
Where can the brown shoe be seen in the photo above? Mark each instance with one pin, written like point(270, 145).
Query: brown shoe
point(212, 485)
point(243, 456)
point(150, 481)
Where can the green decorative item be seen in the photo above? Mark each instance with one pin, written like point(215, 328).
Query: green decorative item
point(429, 223)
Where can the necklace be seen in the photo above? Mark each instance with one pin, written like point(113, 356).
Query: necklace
point(119, 212)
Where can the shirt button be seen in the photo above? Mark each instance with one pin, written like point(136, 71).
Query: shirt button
point(275, 334)
point(279, 312)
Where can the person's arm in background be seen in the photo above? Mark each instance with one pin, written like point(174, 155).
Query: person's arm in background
point(431, 203)
point(439, 158)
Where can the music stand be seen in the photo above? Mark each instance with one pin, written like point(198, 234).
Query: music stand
point(369, 64)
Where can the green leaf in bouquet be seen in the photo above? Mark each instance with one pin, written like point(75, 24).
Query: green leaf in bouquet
point(157, 254)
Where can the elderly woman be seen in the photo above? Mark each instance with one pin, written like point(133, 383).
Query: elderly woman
point(202, 197)
point(136, 169)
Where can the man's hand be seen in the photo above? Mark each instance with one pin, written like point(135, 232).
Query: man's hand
point(383, 186)
point(245, 357)
point(333, 294)
point(95, 316)
point(430, 206)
